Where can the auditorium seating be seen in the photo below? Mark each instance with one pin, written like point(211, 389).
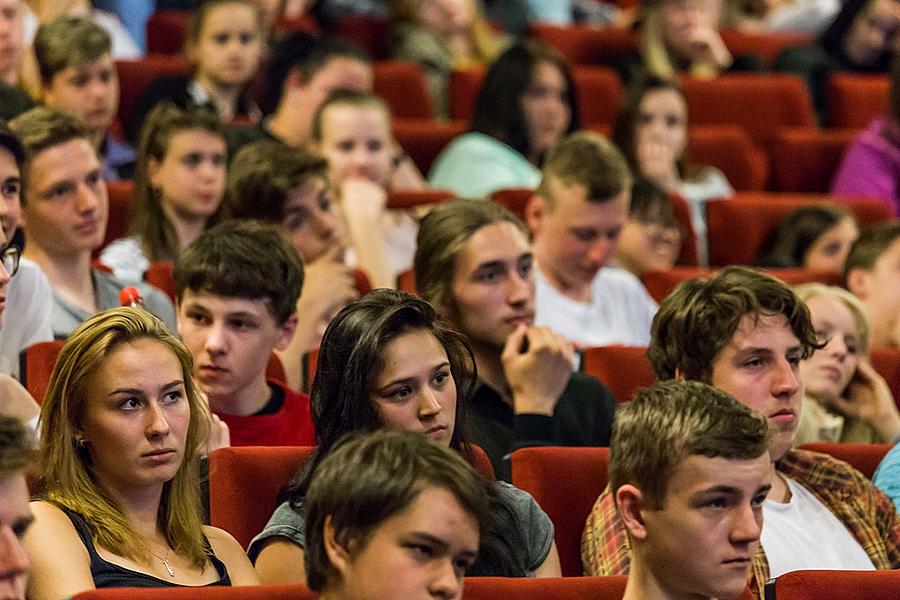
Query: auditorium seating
point(261, 592)
point(586, 45)
point(136, 75)
point(835, 585)
point(159, 275)
point(886, 362)
point(369, 33)
point(405, 199)
point(424, 139)
point(738, 227)
point(806, 159)
point(864, 457)
point(764, 45)
point(729, 149)
point(561, 588)
point(623, 369)
point(402, 85)
point(854, 99)
point(565, 482)
point(36, 366)
point(121, 200)
point(660, 283)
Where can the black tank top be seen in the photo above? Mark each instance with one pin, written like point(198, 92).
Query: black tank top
point(108, 575)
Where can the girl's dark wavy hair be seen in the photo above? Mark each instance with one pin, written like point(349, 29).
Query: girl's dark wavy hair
point(350, 359)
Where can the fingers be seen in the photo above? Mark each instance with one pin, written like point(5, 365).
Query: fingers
point(514, 342)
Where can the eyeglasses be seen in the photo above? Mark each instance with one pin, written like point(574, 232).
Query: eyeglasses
point(11, 255)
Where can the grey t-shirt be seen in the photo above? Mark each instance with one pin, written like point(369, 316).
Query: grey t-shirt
point(523, 521)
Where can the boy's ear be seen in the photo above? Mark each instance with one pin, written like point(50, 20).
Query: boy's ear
point(535, 210)
point(339, 554)
point(631, 503)
point(286, 332)
point(857, 283)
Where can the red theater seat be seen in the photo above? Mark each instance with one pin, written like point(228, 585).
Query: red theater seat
point(159, 275)
point(738, 227)
point(424, 139)
point(863, 457)
point(805, 160)
point(623, 369)
point(37, 362)
point(730, 149)
point(565, 482)
point(853, 99)
point(660, 283)
point(370, 33)
point(765, 45)
point(587, 45)
point(259, 592)
point(562, 588)
point(136, 75)
point(402, 85)
point(886, 362)
point(402, 199)
point(121, 199)
point(835, 585)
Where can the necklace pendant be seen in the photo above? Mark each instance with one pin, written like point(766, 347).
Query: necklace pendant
point(168, 567)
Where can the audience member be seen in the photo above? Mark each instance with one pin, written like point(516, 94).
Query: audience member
point(872, 273)
point(441, 36)
point(817, 237)
point(78, 76)
point(387, 361)
point(526, 105)
point(650, 240)
point(27, 296)
point(871, 165)
point(652, 131)
point(862, 38)
point(352, 130)
point(179, 187)
point(37, 13)
point(10, 41)
point(689, 470)
point(121, 427)
point(372, 494)
point(225, 43)
point(15, 512)
point(303, 71)
point(474, 264)
point(65, 208)
point(237, 287)
point(887, 475)
point(575, 218)
point(746, 333)
point(773, 16)
point(681, 37)
point(288, 188)
point(845, 399)
point(589, 12)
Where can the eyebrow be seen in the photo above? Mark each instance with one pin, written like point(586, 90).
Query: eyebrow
point(440, 543)
point(138, 391)
point(437, 367)
point(501, 262)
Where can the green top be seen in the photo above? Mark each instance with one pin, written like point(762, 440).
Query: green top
point(475, 165)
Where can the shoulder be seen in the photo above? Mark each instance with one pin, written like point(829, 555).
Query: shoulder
point(820, 471)
point(285, 523)
point(621, 281)
point(128, 248)
point(31, 275)
point(227, 549)
point(53, 528)
point(587, 387)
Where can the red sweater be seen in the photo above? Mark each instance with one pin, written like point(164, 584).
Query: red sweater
point(291, 426)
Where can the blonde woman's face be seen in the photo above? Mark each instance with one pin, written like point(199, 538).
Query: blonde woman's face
point(682, 18)
point(445, 16)
point(828, 371)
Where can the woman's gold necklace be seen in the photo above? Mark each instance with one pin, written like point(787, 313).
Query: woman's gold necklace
point(165, 561)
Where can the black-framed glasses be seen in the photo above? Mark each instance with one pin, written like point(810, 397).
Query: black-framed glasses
point(11, 255)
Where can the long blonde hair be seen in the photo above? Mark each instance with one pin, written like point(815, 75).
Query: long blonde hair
point(807, 291)
point(66, 476)
point(656, 56)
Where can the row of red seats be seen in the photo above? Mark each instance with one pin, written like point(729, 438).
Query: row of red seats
point(799, 585)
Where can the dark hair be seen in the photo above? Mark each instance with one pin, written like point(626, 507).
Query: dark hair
point(149, 222)
point(498, 111)
point(697, 320)
point(16, 445)
point(625, 127)
point(894, 104)
point(261, 176)
point(367, 479)
point(307, 53)
point(68, 41)
point(203, 8)
point(10, 142)
point(586, 158)
point(651, 204)
point(673, 420)
point(871, 244)
point(798, 231)
point(350, 358)
point(242, 259)
point(832, 40)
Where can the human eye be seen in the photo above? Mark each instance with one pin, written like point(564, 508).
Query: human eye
point(754, 362)
point(247, 38)
point(295, 222)
point(191, 160)
point(525, 266)
point(173, 396)
point(758, 500)
point(94, 178)
point(218, 159)
point(401, 393)
point(716, 502)
point(462, 565)
point(324, 203)
point(58, 191)
point(105, 75)
point(488, 275)
point(421, 552)
point(129, 404)
point(441, 377)
point(242, 324)
point(220, 38)
point(644, 118)
point(80, 80)
point(345, 145)
point(11, 188)
point(197, 317)
point(584, 235)
point(375, 145)
point(793, 359)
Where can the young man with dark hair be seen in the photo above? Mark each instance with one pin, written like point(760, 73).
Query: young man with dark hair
point(473, 262)
point(65, 206)
point(288, 188)
point(575, 218)
point(872, 273)
point(745, 333)
point(393, 515)
point(237, 287)
point(689, 470)
point(78, 76)
point(15, 513)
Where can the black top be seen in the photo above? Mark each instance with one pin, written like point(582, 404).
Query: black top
point(108, 575)
point(238, 136)
point(583, 417)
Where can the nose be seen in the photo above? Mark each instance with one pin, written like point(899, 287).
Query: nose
point(446, 583)
point(601, 250)
point(324, 224)
point(216, 342)
point(157, 424)
point(429, 405)
point(747, 525)
point(518, 289)
point(87, 200)
point(4, 275)
point(786, 383)
point(837, 347)
point(13, 558)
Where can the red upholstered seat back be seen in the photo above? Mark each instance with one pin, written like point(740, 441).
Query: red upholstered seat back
point(854, 99)
point(37, 365)
point(260, 592)
point(623, 369)
point(805, 160)
point(842, 585)
point(863, 457)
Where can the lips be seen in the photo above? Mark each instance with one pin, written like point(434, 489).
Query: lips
point(159, 452)
point(436, 432)
point(520, 319)
point(88, 228)
point(785, 415)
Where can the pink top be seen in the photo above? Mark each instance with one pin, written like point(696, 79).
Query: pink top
point(871, 166)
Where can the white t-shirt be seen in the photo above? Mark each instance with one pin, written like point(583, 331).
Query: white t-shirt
point(620, 310)
point(804, 534)
point(26, 318)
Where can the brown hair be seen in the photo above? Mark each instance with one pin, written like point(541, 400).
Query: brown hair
point(15, 446)
point(201, 12)
point(349, 98)
point(870, 245)
point(68, 41)
point(697, 320)
point(675, 419)
point(588, 159)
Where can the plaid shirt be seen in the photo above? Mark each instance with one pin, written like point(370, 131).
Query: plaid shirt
point(867, 513)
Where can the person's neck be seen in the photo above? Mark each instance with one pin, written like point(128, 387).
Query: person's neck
point(97, 138)
point(578, 293)
point(69, 275)
point(141, 508)
point(187, 228)
point(644, 585)
point(490, 369)
point(286, 126)
point(780, 491)
point(244, 402)
point(223, 97)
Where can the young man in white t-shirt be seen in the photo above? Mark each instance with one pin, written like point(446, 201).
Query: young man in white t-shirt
point(745, 333)
point(689, 470)
point(575, 218)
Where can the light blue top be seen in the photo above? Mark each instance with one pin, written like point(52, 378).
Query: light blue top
point(887, 475)
point(475, 165)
